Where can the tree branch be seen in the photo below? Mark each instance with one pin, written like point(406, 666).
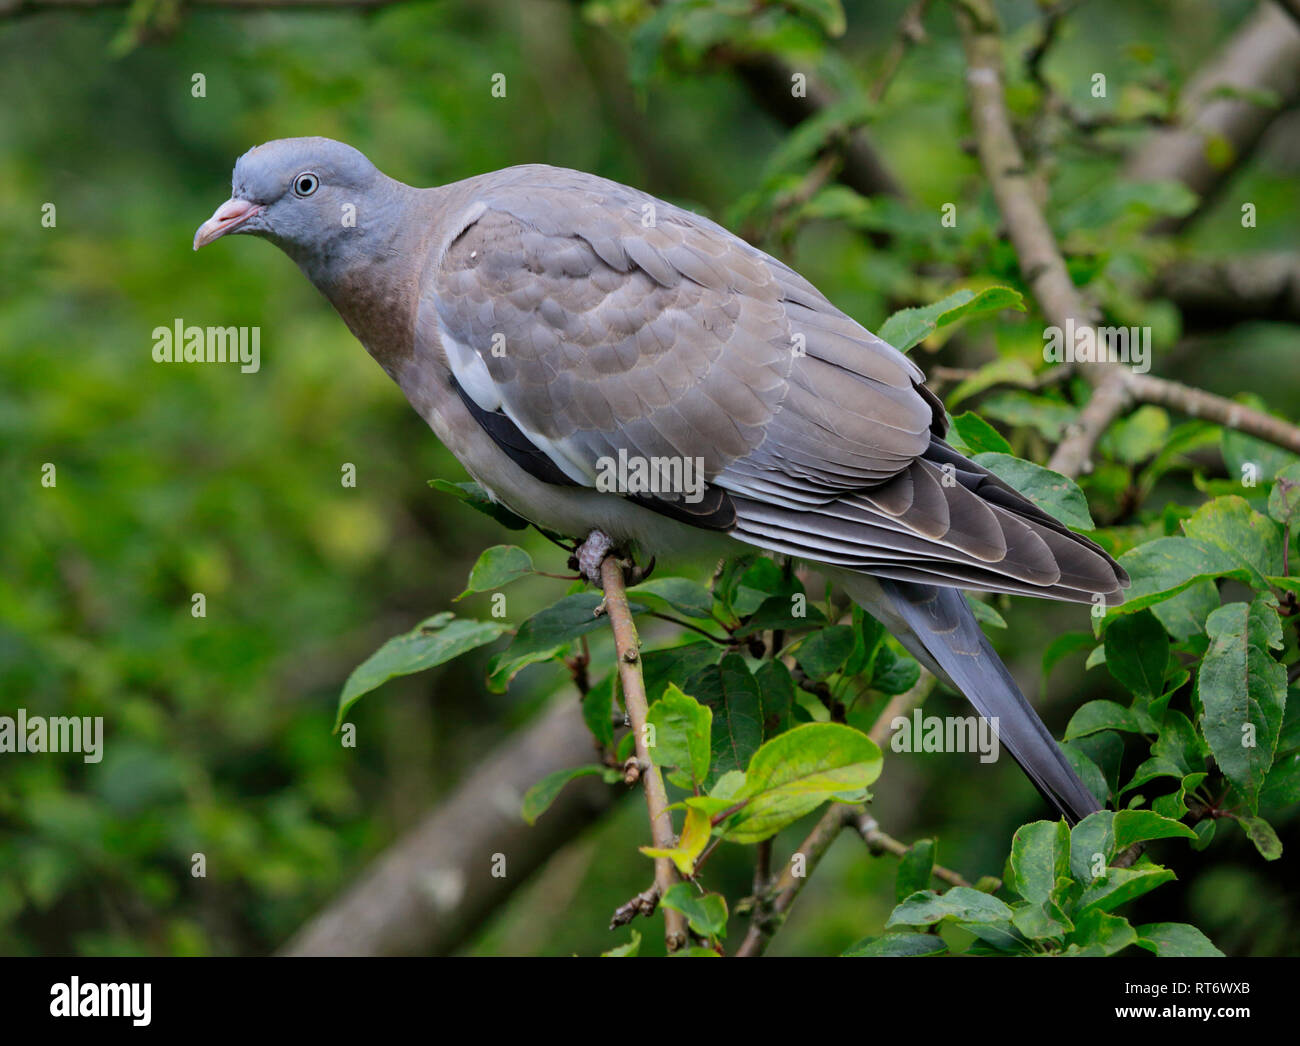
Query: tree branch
point(634, 700)
point(1014, 190)
point(1214, 292)
point(432, 888)
point(1263, 55)
point(878, 841)
point(1043, 267)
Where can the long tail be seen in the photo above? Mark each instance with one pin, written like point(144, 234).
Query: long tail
point(938, 627)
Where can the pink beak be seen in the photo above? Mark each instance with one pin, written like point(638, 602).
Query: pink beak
point(226, 218)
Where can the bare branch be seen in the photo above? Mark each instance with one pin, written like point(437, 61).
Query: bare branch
point(1043, 267)
point(1263, 55)
point(1215, 292)
point(1198, 403)
point(770, 912)
point(429, 891)
point(878, 841)
point(1014, 189)
point(634, 699)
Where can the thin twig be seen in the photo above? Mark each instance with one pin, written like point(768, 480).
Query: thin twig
point(768, 917)
point(643, 903)
point(771, 906)
point(634, 700)
point(879, 841)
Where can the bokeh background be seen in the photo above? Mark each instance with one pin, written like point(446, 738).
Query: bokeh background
point(173, 480)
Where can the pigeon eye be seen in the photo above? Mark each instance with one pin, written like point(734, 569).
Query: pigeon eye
point(305, 184)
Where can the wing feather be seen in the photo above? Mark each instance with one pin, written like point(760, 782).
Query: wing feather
point(589, 330)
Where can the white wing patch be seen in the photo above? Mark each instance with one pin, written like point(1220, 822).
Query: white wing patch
point(472, 374)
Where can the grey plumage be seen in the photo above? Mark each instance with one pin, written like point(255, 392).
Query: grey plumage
point(542, 320)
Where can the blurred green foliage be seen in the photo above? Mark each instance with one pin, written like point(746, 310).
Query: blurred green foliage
point(175, 480)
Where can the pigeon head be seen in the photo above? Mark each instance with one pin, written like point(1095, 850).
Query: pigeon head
point(318, 200)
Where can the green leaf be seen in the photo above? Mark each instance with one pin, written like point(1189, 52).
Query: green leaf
point(1183, 615)
point(598, 710)
point(1089, 771)
point(432, 642)
point(825, 650)
point(1174, 805)
point(1011, 370)
point(732, 694)
point(1137, 437)
point(706, 913)
point(1284, 499)
point(625, 951)
point(691, 843)
point(1101, 715)
point(1137, 654)
point(1253, 460)
point(1019, 408)
point(898, 944)
point(1057, 495)
point(1261, 833)
point(547, 634)
point(749, 579)
point(1179, 744)
point(870, 637)
point(1242, 691)
point(1175, 940)
point(894, 673)
point(786, 613)
point(914, 869)
point(961, 904)
point(979, 436)
point(1092, 845)
point(985, 614)
point(661, 667)
point(1135, 826)
point(1282, 786)
point(682, 729)
point(907, 327)
point(477, 498)
point(689, 597)
point(798, 771)
point(776, 697)
point(1162, 568)
point(538, 799)
point(1097, 933)
point(1121, 885)
point(1252, 539)
point(1040, 855)
point(498, 566)
point(1041, 919)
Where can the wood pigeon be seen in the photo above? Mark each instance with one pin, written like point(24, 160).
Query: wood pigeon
point(560, 332)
